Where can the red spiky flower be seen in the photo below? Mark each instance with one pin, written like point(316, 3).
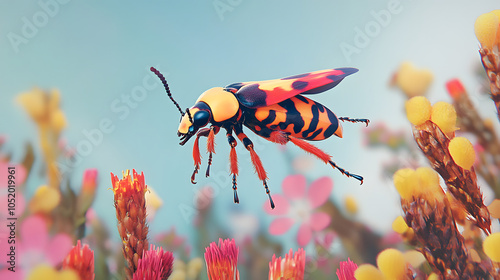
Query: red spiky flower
point(155, 264)
point(221, 260)
point(290, 268)
point(346, 270)
point(81, 259)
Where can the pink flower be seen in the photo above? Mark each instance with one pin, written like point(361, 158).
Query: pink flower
point(12, 201)
point(325, 239)
point(221, 260)
point(346, 270)
point(155, 264)
point(36, 247)
point(290, 268)
point(298, 205)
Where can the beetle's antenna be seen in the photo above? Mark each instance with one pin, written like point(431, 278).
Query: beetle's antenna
point(164, 81)
point(189, 115)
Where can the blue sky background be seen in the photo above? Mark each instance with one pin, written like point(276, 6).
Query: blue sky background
point(98, 52)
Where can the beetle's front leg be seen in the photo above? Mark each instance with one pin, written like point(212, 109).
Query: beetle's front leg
point(196, 152)
point(233, 162)
point(211, 146)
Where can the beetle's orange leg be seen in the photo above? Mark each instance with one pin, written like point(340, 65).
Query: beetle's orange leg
point(196, 152)
point(310, 148)
point(347, 119)
point(233, 161)
point(211, 146)
point(257, 163)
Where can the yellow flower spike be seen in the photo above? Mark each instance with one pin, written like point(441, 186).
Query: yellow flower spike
point(494, 209)
point(444, 115)
point(350, 204)
point(45, 272)
point(179, 265)
point(178, 275)
point(429, 182)
point(433, 276)
point(486, 28)
point(194, 268)
point(55, 99)
point(391, 263)
point(413, 81)
point(418, 110)
point(45, 199)
point(462, 152)
point(58, 120)
point(67, 274)
point(34, 102)
point(152, 199)
point(414, 258)
point(406, 182)
point(491, 246)
point(368, 272)
point(42, 272)
point(399, 225)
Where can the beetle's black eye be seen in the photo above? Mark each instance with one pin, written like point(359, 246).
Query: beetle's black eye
point(201, 118)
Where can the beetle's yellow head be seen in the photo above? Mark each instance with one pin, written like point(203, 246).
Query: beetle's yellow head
point(215, 105)
point(195, 118)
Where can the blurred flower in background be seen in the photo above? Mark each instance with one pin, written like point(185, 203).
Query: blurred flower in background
point(298, 204)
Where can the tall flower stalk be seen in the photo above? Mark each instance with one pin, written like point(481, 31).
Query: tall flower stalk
point(434, 131)
point(130, 203)
point(487, 28)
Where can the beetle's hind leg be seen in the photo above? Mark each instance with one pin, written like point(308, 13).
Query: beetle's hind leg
point(257, 163)
point(310, 148)
point(233, 161)
point(347, 119)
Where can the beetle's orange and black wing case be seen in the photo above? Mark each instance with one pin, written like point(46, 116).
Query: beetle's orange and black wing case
point(266, 93)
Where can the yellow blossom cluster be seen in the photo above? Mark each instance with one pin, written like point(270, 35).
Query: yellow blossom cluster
point(487, 29)
point(411, 80)
point(423, 182)
point(443, 114)
point(391, 264)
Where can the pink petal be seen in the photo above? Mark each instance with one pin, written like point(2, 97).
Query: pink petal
point(294, 186)
point(346, 270)
point(20, 203)
point(7, 274)
point(4, 173)
point(19, 175)
point(34, 233)
point(319, 221)
point(319, 191)
point(280, 226)
point(281, 205)
point(304, 235)
point(57, 249)
point(391, 239)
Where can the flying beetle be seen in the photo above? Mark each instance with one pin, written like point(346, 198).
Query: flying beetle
point(276, 110)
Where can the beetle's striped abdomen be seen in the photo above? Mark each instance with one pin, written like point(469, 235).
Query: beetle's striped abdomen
point(300, 116)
